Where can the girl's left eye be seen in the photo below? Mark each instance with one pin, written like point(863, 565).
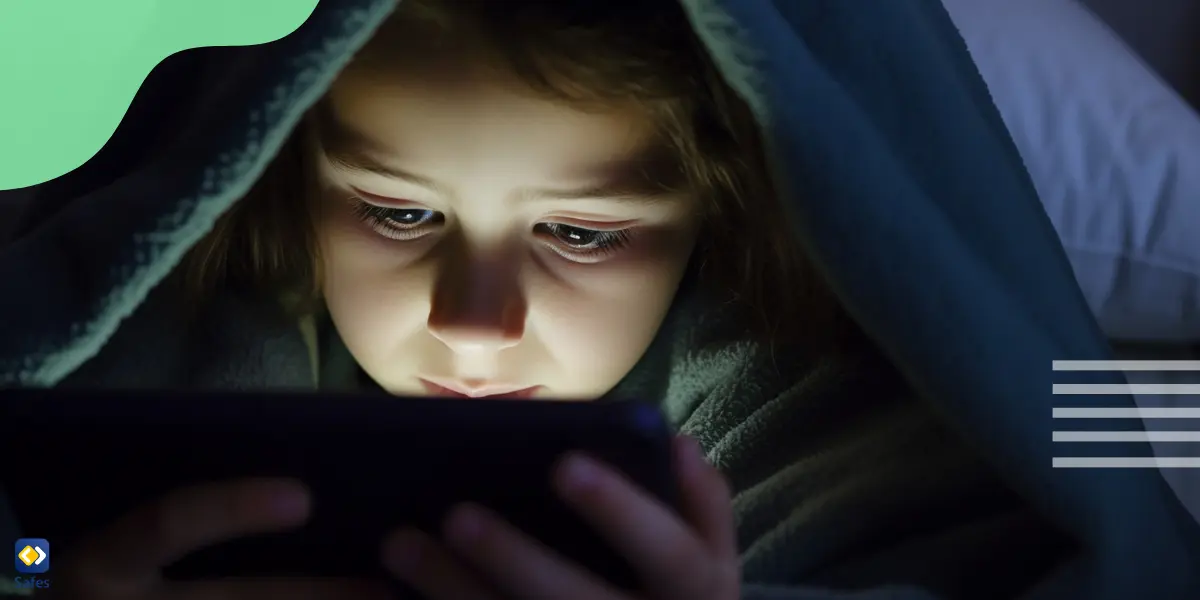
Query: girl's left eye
point(580, 244)
point(398, 223)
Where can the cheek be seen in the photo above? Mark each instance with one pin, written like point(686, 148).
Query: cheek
point(376, 290)
point(641, 276)
point(599, 319)
point(595, 340)
point(353, 255)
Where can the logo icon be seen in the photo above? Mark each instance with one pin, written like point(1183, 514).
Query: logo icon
point(33, 555)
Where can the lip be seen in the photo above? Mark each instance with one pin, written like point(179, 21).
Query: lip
point(453, 389)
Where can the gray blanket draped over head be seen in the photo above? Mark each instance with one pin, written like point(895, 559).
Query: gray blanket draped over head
point(915, 206)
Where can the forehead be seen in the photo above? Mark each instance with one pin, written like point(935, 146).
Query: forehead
point(438, 111)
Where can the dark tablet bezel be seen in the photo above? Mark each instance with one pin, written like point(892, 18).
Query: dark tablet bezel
point(71, 458)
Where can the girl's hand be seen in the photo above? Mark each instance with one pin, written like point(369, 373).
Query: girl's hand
point(123, 561)
point(687, 557)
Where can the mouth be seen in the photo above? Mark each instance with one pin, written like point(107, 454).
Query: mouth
point(450, 389)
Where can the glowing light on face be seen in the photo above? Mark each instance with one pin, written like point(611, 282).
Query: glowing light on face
point(481, 240)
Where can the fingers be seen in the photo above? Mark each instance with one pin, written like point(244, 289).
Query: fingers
point(515, 563)
point(430, 569)
point(139, 544)
point(281, 589)
point(706, 503)
point(688, 555)
point(665, 549)
point(640, 528)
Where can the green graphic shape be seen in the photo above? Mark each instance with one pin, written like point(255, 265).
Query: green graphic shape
point(69, 69)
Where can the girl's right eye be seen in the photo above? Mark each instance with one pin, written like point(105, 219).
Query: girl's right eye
point(398, 223)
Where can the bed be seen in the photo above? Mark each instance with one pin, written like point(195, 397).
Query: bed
point(1100, 97)
point(1166, 34)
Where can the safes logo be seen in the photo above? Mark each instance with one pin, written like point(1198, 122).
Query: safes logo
point(33, 555)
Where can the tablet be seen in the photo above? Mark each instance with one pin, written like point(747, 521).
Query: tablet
point(72, 461)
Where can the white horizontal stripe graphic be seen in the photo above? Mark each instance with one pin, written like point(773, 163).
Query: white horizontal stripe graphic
point(1161, 412)
point(1127, 462)
point(1121, 389)
point(1127, 365)
point(1126, 436)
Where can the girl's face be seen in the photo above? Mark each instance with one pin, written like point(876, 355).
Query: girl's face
point(478, 240)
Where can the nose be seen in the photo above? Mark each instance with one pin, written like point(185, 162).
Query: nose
point(478, 305)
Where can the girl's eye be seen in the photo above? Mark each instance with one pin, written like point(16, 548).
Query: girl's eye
point(577, 244)
point(583, 245)
point(398, 223)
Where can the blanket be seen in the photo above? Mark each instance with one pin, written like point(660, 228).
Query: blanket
point(918, 469)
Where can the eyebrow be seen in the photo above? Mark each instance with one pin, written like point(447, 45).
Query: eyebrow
point(648, 177)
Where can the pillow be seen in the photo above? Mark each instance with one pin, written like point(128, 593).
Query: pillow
point(1113, 151)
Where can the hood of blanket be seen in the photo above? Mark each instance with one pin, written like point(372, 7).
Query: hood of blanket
point(917, 209)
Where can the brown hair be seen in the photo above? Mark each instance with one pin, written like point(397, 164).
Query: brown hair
point(587, 53)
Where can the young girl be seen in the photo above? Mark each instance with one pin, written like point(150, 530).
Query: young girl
point(504, 198)
point(564, 201)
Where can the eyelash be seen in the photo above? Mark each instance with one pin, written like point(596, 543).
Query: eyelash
point(384, 222)
point(606, 243)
